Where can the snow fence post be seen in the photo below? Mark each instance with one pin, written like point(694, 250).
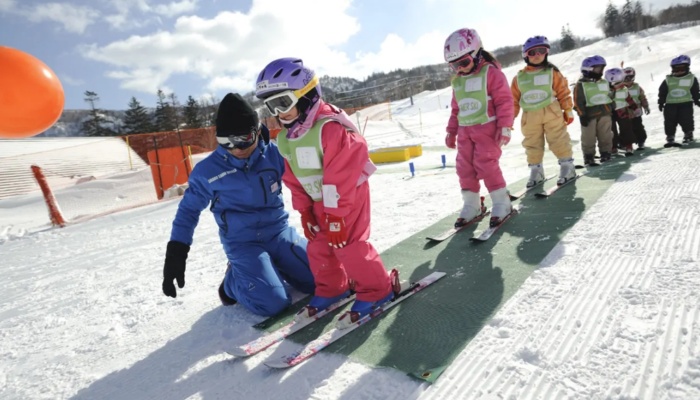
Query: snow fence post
point(54, 211)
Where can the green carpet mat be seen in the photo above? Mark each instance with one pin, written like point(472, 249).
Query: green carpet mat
point(423, 335)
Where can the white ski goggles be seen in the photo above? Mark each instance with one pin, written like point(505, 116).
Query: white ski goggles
point(284, 102)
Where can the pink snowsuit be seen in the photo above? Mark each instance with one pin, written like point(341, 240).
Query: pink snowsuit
point(346, 165)
point(478, 150)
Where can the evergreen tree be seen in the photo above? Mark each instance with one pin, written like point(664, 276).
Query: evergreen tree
point(628, 17)
point(192, 115)
point(94, 125)
point(641, 21)
point(137, 119)
point(567, 39)
point(208, 109)
point(164, 114)
point(611, 21)
point(174, 114)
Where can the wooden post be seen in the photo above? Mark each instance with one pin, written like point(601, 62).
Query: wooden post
point(128, 153)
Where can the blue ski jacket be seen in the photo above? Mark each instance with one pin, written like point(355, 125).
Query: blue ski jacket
point(245, 196)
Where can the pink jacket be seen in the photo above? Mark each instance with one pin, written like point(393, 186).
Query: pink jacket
point(346, 162)
point(500, 100)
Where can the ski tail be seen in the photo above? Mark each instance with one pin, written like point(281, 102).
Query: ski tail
point(315, 346)
point(276, 336)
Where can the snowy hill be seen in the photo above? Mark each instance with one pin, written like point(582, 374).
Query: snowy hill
point(613, 312)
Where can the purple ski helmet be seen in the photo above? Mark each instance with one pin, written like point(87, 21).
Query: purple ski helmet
point(285, 74)
point(590, 62)
point(535, 41)
point(680, 60)
point(615, 75)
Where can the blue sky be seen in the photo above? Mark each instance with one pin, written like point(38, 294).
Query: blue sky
point(206, 48)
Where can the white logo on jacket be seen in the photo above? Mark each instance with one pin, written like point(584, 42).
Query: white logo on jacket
point(221, 175)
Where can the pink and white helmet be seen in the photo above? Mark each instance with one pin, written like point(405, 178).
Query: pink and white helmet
point(460, 42)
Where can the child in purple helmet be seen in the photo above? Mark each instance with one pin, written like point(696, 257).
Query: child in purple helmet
point(327, 170)
point(543, 93)
point(593, 103)
point(480, 124)
point(677, 94)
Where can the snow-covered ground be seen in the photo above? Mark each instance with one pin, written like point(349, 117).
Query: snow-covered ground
point(613, 311)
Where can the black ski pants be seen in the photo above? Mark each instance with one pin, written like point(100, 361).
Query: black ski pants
point(678, 114)
point(640, 133)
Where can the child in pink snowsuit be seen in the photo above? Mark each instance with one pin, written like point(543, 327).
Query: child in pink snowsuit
point(327, 170)
point(480, 123)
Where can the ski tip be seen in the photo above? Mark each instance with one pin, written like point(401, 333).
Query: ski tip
point(237, 352)
point(436, 275)
point(279, 364)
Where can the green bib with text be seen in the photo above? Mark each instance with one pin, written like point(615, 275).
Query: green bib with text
point(597, 93)
point(535, 89)
point(679, 88)
point(305, 157)
point(472, 98)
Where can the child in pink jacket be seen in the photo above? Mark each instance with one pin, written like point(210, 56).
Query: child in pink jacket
point(327, 170)
point(480, 124)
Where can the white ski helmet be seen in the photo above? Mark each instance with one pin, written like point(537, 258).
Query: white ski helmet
point(615, 75)
point(630, 73)
point(460, 42)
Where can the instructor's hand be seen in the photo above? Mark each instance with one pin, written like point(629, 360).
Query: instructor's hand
point(174, 268)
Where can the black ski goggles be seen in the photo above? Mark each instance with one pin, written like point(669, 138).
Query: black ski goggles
point(240, 142)
point(680, 68)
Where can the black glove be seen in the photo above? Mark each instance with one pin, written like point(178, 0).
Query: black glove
point(584, 120)
point(661, 107)
point(175, 257)
point(697, 103)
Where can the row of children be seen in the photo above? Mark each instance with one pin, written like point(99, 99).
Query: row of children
point(609, 109)
point(324, 161)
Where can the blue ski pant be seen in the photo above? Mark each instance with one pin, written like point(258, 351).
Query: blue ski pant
point(257, 272)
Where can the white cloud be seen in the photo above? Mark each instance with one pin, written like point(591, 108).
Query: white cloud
point(73, 18)
point(7, 5)
point(131, 14)
point(229, 50)
point(176, 8)
point(69, 80)
point(395, 53)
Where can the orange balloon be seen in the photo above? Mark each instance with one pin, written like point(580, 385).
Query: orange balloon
point(31, 96)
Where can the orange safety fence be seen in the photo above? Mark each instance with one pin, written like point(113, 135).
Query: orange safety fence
point(169, 168)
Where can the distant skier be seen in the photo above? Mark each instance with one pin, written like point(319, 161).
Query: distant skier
point(625, 108)
point(592, 102)
point(640, 98)
point(543, 93)
point(241, 183)
point(327, 169)
point(677, 94)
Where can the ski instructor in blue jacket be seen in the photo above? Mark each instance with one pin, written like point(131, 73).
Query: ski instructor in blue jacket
point(241, 183)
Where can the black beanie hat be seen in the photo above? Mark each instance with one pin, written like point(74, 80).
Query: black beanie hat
point(235, 117)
